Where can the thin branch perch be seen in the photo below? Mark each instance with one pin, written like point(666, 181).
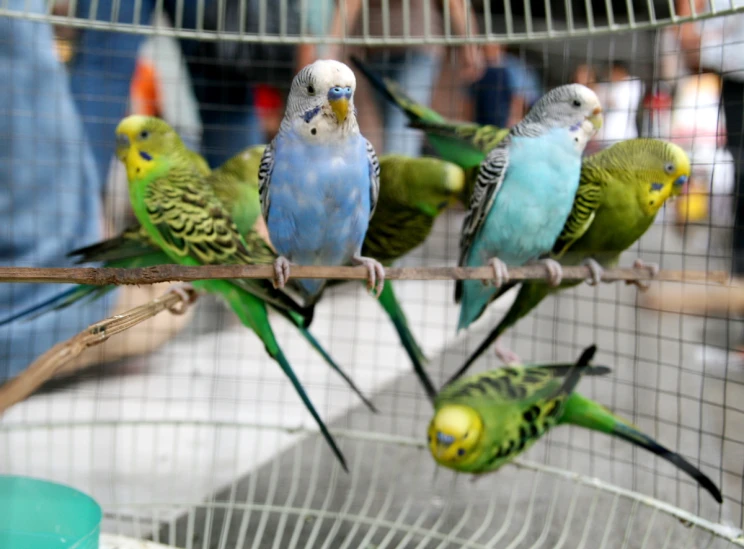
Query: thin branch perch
point(166, 273)
point(44, 367)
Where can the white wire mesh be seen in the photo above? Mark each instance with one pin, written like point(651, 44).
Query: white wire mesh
point(507, 22)
point(201, 442)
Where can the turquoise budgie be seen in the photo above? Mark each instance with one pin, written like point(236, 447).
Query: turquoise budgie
point(319, 179)
point(524, 193)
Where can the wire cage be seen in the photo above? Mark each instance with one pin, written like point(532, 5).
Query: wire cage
point(189, 436)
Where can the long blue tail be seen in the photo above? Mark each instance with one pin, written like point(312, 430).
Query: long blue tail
point(59, 301)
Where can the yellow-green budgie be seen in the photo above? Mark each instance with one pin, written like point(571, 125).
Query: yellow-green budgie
point(182, 214)
point(620, 192)
point(485, 421)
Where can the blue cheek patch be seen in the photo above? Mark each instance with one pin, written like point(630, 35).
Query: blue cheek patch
point(309, 115)
point(146, 156)
point(657, 186)
point(575, 127)
point(445, 439)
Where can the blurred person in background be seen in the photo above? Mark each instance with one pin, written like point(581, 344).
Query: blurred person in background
point(223, 73)
point(506, 91)
point(620, 95)
point(414, 68)
point(718, 45)
point(51, 201)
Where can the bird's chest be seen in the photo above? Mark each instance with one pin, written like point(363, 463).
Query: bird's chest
point(319, 195)
point(537, 194)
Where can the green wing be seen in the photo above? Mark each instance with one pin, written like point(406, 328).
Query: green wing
point(586, 203)
point(195, 228)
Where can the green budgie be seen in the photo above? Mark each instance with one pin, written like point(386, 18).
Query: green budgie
point(485, 421)
point(620, 192)
point(183, 216)
point(413, 192)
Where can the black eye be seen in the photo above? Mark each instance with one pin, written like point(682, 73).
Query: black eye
point(669, 168)
point(576, 103)
point(461, 452)
point(144, 134)
point(311, 89)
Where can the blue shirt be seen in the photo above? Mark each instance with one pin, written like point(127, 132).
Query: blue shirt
point(50, 201)
point(492, 95)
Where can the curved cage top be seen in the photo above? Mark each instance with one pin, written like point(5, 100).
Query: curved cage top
point(507, 22)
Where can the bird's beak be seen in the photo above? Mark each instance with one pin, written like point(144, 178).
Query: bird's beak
point(338, 99)
point(679, 185)
point(440, 449)
point(122, 145)
point(596, 118)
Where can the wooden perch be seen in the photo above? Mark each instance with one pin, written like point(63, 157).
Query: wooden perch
point(44, 367)
point(166, 273)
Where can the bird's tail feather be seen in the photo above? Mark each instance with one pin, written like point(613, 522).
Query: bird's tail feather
point(59, 301)
point(393, 93)
point(589, 414)
point(393, 309)
point(252, 313)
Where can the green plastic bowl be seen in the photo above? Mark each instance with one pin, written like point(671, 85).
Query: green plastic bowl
point(36, 514)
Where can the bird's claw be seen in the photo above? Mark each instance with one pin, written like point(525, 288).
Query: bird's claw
point(375, 273)
point(653, 269)
point(507, 356)
point(596, 270)
point(555, 271)
point(188, 296)
point(281, 272)
point(500, 272)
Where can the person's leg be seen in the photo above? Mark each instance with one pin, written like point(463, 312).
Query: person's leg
point(101, 74)
point(733, 104)
point(416, 72)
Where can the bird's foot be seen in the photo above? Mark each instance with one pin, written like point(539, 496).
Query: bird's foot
point(188, 296)
point(281, 272)
point(596, 270)
point(653, 269)
point(500, 272)
point(555, 271)
point(506, 355)
point(375, 273)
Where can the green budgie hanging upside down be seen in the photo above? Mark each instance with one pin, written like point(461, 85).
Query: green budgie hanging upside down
point(182, 214)
point(620, 192)
point(485, 421)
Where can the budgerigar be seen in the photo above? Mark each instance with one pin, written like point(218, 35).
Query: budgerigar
point(622, 189)
point(524, 192)
point(319, 179)
point(484, 421)
point(183, 216)
point(413, 192)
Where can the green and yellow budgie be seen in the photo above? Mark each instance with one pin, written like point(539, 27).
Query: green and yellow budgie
point(485, 421)
point(620, 192)
point(181, 213)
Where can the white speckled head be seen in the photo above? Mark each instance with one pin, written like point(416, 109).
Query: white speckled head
point(321, 100)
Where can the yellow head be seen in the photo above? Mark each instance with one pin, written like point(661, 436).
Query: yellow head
point(454, 435)
point(660, 169)
point(142, 140)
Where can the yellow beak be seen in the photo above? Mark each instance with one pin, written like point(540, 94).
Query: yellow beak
point(340, 108)
point(596, 118)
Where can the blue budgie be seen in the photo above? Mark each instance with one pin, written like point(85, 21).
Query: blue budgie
point(319, 179)
point(524, 193)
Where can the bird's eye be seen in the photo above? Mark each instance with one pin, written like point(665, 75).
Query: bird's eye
point(461, 452)
point(144, 134)
point(576, 103)
point(311, 89)
point(669, 168)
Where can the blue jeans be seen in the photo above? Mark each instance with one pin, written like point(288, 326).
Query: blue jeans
point(416, 72)
point(101, 76)
point(50, 201)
